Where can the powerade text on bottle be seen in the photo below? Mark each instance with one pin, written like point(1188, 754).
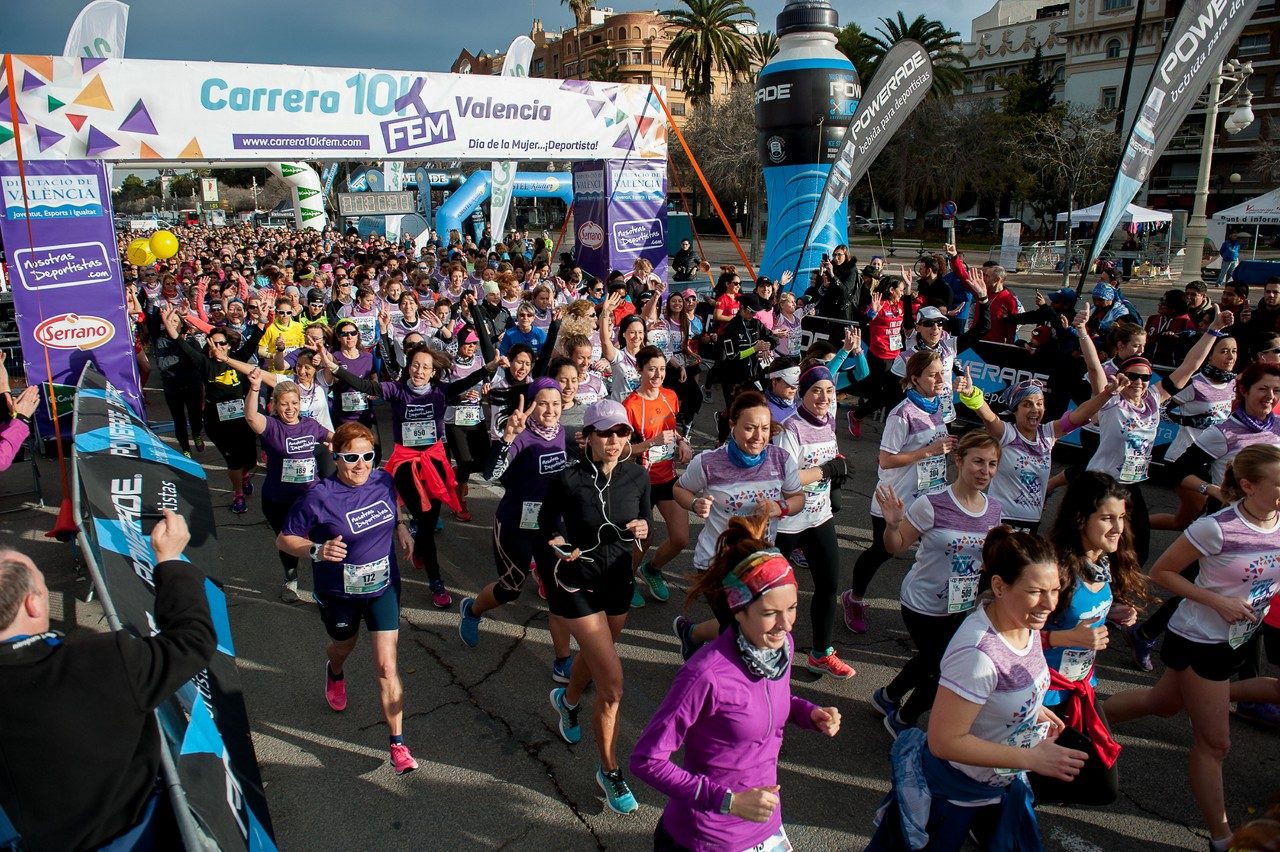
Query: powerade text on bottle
point(805, 96)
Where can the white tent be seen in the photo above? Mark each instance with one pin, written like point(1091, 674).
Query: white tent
point(1263, 210)
point(1132, 213)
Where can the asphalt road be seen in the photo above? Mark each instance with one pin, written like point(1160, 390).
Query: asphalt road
point(495, 775)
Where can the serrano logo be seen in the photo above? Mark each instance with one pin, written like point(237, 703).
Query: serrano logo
point(73, 331)
point(590, 234)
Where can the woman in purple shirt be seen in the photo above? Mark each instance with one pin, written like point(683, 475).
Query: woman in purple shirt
point(728, 707)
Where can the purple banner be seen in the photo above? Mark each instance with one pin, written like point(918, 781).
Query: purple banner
point(68, 294)
point(620, 215)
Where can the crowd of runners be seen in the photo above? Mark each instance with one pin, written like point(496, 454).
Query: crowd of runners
point(301, 352)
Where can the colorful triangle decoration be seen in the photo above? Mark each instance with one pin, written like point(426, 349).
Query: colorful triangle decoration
point(5, 109)
point(139, 120)
point(5, 134)
point(47, 138)
point(192, 151)
point(42, 65)
point(643, 125)
point(76, 120)
point(88, 63)
point(94, 95)
point(55, 104)
point(624, 140)
point(99, 142)
point(148, 153)
point(31, 81)
point(595, 106)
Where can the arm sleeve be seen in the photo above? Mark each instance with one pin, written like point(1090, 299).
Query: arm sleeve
point(160, 664)
point(454, 390)
point(981, 325)
point(547, 352)
point(11, 438)
point(688, 700)
point(801, 714)
point(791, 476)
point(969, 673)
point(249, 347)
point(837, 361)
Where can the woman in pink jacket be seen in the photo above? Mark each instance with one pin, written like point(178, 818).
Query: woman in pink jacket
point(727, 709)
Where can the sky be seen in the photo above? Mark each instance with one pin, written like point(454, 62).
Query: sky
point(415, 35)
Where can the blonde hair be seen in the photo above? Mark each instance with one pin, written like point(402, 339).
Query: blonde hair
point(1248, 464)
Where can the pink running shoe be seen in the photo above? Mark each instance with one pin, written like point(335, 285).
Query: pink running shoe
point(854, 612)
point(335, 691)
point(855, 425)
point(830, 665)
point(401, 759)
point(440, 597)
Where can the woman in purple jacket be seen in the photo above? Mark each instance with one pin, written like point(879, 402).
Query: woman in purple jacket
point(727, 709)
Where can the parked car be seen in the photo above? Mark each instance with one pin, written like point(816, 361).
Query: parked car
point(863, 225)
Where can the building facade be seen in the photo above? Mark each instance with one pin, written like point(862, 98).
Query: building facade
point(1004, 39)
point(609, 46)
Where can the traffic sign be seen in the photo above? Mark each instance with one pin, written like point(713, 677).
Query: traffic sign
point(949, 209)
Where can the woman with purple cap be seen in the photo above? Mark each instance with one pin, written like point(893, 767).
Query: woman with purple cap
point(1026, 444)
point(1127, 424)
point(593, 516)
point(728, 706)
point(530, 453)
point(810, 438)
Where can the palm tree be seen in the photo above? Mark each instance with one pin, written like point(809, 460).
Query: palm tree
point(581, 11)
point(706, 36)
point(604, 71)
point(762, 48)
point(942, 44)
point(862, 52)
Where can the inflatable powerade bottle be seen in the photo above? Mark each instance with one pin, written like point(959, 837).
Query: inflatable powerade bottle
point(805, 97)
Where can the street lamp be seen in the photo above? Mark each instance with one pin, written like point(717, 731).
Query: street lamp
point(1233, 73)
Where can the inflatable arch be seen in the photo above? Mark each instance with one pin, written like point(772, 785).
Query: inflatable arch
point(477, 187)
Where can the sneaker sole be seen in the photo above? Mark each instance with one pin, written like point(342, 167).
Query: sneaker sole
point(818, 670)
point(405, 771)
point(558, 678)
point(609, 802)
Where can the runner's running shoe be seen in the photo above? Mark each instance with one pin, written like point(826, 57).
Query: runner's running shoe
point(855, 425)
point(683, 628)
point(335, 691)
point(855, 612)
point(542, 590)
point(440, 595)
point(798, 559)
point(199, 444)
point(401, 760)
point(289, 592)
point(883, 704)
point(1142, 648)
point(830, 665)
point(561, 670)
point(617, 793)
point(468, 624)
point(239, 505)
point(894, 725)
point(637, 599)
point(657, 583)
point(570, 730)
point(248, 484)
point(1263, 714)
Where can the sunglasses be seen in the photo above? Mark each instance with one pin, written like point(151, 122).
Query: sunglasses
point(1269, 351)
point(218, 343)
point(352, 458)
point(930, 323)
point(348, 334)
point(1138, 377)
point(615, 432)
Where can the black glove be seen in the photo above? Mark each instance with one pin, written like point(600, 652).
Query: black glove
point(836, 468)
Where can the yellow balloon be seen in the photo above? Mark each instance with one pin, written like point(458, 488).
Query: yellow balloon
point(164, 244)
point(139, 251)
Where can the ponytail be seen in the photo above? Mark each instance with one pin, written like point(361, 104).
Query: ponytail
point(1248, 464)
point(742, 537)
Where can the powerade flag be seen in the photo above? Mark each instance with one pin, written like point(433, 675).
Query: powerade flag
point(503, 175)
point(124, 475)
point(804, 99)
point(1199, 40)
point(900, 84)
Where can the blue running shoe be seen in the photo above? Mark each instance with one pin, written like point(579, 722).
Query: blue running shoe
point(570, 730)
point(882, 703)
point(894, 725)
point(562, 669)
point(440, 523)
point(617, 793)
point(469, 625)
point(683, 628)
point(657, 583)
point(637, 599)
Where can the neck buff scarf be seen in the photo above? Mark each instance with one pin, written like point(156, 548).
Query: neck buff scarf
point(768, 663)
point(1218, 377)
point(741, 459)
point(1253, 424)
point(777, 400)
point(1100, 571)
point(929, 405)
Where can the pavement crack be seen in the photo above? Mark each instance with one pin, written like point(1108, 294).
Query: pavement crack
point(510, 650)
point(413, 715)
point(521, 836)
point(533, 750)
point(1152, 812)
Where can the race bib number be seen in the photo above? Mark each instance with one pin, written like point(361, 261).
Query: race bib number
point(931, 474)
point(467, 415)
point(947, 404)
point(1134, 467)
point(962, 593)
point(895, 342)
point(232, 409)
point(1030, 735)
point(353, 400)
point(298, 471)
point(1076, 663)
point(529, 515)
point(661, 453)
point(367, 579)
point(418, 433)
point(1241, 632)
point(366, 326)
point(774, 843)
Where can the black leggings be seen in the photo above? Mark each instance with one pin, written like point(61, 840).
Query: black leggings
point(186, 404)
point(514, 550)
point(234, 439)
point(424, 543)
point(1140, 520)
point(275, 513)
point(931, 634)
point(822, 552)
point(870, 560)
point(1095, 785)
point(879, 390)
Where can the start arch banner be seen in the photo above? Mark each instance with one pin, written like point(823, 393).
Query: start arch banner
point(140, 109)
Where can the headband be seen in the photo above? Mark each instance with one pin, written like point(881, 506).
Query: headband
point(1024, 389)
point(812, 376)
point(755, 575)
point(1135, 361)
point(541, 384)
point(790, 375)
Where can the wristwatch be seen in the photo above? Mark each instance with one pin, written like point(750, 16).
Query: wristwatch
point(1204, 488)
point(315, 552)
point(726, 804)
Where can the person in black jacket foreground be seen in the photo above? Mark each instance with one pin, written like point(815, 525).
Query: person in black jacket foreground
point(79, 746)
